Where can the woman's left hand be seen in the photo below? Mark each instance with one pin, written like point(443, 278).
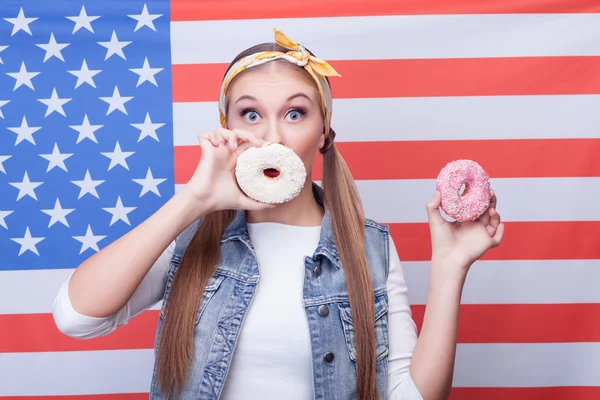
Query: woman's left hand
point(459, 244)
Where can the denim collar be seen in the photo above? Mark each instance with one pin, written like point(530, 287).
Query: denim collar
point(326, 247)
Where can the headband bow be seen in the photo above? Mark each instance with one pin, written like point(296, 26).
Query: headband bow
point(298, 55)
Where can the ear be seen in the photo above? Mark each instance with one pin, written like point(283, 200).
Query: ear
point(322, 139)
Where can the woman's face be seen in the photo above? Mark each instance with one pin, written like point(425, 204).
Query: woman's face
point(279, 105)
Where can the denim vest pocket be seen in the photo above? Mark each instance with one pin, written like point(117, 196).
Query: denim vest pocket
point(381, 328)
point(211, 288)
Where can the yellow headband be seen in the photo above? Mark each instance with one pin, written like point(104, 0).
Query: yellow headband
point(298, 55)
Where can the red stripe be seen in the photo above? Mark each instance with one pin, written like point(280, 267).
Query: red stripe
point(529, 158)
point(188, 10)
point(524, 323)
point(522, 241)
point(425, 77)
point(537, 393)
point(503, 323)
point(38, 333)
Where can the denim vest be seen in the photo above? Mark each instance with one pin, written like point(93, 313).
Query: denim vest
point(229, 293)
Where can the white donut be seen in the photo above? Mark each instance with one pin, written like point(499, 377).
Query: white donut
point(287, 171)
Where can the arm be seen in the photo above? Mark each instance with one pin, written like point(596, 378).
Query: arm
point(149, 292)
point(455, 246)
point(402, 332)
point(421, 367)
point(99, 295)
point(432, 365)
point(104, 283)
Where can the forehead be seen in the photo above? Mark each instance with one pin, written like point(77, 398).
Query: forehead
point(273, 81)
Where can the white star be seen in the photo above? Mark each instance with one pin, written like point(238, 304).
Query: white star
point(146, 73)
point(57, 159)
point(85, 75)
point(149, 183)
point(119, 212)
point(83, 21)
point(20, 23)
point(87, 185)
point(28, 242)
point(116, 102)
point(58, 214)
point(23, 77)
point(89, 241)
point(86, 131)
point(25, 132)
point(55, 103)
point(53, 49)
point(2, 48)
point(114, 47)
point(145, 19)
point(26, 187)
point(4, 214)
point(2, 159)
point(118, 157)
point(2, 104)
point(148, 129)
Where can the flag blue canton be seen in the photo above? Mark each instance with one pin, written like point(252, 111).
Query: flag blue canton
point(86, 140)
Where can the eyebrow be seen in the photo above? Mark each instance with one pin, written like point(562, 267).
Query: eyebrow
point(300, 94)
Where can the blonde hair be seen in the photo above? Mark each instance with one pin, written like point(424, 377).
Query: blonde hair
point(201, 259)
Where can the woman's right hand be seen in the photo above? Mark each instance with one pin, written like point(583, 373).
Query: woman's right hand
point(213, 181)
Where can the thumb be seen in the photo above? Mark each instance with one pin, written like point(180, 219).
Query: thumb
point(433, 210)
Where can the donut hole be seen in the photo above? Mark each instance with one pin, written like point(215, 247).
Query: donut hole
point(271, 172)
point(463, 189)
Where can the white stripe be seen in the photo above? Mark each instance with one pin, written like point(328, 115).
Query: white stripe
point(432, 118)
point(33, 291)
point(130, 371)
point(76, 373)
point(398, 36)
point(527, 365)
point(489, 282)
point(516, 282)
point(519, 199)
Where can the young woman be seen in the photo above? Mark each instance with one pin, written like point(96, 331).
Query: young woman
point(303, 300)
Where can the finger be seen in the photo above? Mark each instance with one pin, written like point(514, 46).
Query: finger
point(485, 217)
point(493, 199)
point(242, 147)
point(249, 136)
point(494, 222)
point(229, 137)
point(203, 140)
point(433, 210)
point(232, 141)
point(213, 139)
point(497, 239)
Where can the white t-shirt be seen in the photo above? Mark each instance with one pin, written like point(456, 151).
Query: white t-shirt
point(273, 351)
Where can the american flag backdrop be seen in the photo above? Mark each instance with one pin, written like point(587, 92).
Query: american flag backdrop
point(101, 103)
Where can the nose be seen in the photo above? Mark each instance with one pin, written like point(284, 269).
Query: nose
point(273, 133)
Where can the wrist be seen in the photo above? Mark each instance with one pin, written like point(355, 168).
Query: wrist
point(448, 270)
point(195, 202)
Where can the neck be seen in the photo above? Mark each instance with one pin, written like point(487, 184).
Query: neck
point(303, 210)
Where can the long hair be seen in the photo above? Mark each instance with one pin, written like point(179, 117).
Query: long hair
point(200, 260)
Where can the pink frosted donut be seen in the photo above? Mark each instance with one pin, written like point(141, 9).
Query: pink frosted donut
point(474, 201)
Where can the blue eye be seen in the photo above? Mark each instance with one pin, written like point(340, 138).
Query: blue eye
point(250, 115)
point(296, 114)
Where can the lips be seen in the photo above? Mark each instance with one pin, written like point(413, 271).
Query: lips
point(271, 172)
